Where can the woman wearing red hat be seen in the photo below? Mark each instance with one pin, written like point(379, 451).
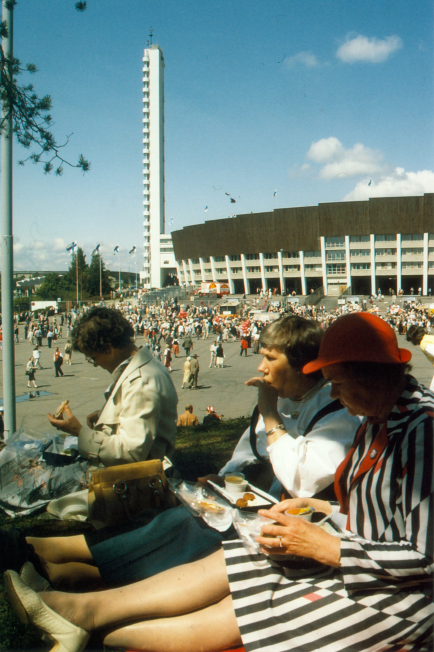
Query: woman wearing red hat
point(367, 589)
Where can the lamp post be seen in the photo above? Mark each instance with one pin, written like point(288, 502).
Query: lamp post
point(71, 250)
point(132, 252)
point(116, 251)
point(96, 252)
point(7, 239)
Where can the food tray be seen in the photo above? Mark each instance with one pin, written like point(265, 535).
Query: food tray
point(262, 499)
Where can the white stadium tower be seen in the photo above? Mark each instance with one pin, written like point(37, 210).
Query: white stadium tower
point(158, 257)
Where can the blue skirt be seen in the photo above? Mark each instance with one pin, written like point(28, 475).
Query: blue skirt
point(172, 538)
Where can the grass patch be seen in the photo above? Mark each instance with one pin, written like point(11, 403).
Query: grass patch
point(199, 451)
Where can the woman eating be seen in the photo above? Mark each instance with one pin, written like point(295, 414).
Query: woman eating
point(376, 590)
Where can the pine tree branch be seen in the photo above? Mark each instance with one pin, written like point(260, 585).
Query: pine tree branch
point(31, 119)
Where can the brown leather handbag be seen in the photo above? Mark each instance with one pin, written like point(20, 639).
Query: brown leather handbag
point(120, 493)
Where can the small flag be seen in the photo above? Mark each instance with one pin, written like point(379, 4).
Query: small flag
point(116, 250)
point(171, 222)
point(206, 208)
point(96, 250)
point(71, 247)
point(233, 201)
point(133, 251)
point(275, 192)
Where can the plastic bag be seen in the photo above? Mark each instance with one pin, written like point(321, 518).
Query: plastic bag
point(27, 481)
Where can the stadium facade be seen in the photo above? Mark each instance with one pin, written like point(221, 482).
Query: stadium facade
point(382, 244)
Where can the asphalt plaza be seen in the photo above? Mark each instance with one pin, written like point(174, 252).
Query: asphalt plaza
point(84, 384)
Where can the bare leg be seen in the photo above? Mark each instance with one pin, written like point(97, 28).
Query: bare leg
point(177, 591)
point(60, 550)
point(208, 630)
point(73, 576)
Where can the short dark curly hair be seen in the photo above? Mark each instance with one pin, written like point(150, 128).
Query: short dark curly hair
point(101, 328)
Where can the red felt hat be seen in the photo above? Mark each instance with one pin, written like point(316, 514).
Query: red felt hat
point(358, 337)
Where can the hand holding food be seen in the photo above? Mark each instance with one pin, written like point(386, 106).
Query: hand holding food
point(67, 422)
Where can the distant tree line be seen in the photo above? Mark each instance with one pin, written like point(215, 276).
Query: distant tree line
point(64, 286)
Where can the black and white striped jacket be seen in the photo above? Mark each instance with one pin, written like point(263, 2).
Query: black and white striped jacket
point(388, 481)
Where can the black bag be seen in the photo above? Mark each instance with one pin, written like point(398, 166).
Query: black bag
point(261, 474)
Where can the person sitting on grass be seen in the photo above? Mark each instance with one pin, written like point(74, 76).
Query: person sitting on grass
point(188, 418)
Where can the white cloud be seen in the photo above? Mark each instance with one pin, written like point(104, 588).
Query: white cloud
point(40, 255)
point(398, 183)
point(370, 50)
point(330, 160)
point(338, 161)
point(307, 59)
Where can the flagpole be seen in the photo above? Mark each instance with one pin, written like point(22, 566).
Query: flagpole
point(100, 277)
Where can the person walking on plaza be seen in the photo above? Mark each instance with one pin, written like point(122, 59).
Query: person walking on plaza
point(220, 356)
point(38, 335)
point(68, 352)
point(194, 367)
point(244, 346)
point(167, 355)
point(50, 336)
point(36, 354)
point(30, 373)
point(213, 349)
point(187, 345)
point(16, 333)
point(58, 361)
point(186, 373)
point(188, 418)
point(175, 347)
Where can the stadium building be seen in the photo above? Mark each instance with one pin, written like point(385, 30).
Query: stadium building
point(383, 244)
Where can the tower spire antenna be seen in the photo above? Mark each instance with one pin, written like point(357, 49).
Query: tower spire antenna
point(151, 34)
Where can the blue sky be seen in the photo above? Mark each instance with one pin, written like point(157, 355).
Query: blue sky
point(277, 102)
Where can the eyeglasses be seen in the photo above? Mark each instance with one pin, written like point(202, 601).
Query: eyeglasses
point(90, 360)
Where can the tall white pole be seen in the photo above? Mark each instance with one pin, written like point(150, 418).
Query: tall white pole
point(100, 277)
point(7, 261)
point(76, 270)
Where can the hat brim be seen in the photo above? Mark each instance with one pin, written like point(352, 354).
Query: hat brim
point(320, 363)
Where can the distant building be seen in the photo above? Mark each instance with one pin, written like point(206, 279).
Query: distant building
point(158, 258)
point(384, 243)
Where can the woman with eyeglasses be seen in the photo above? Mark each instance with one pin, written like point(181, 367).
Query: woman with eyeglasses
point(138, 419)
